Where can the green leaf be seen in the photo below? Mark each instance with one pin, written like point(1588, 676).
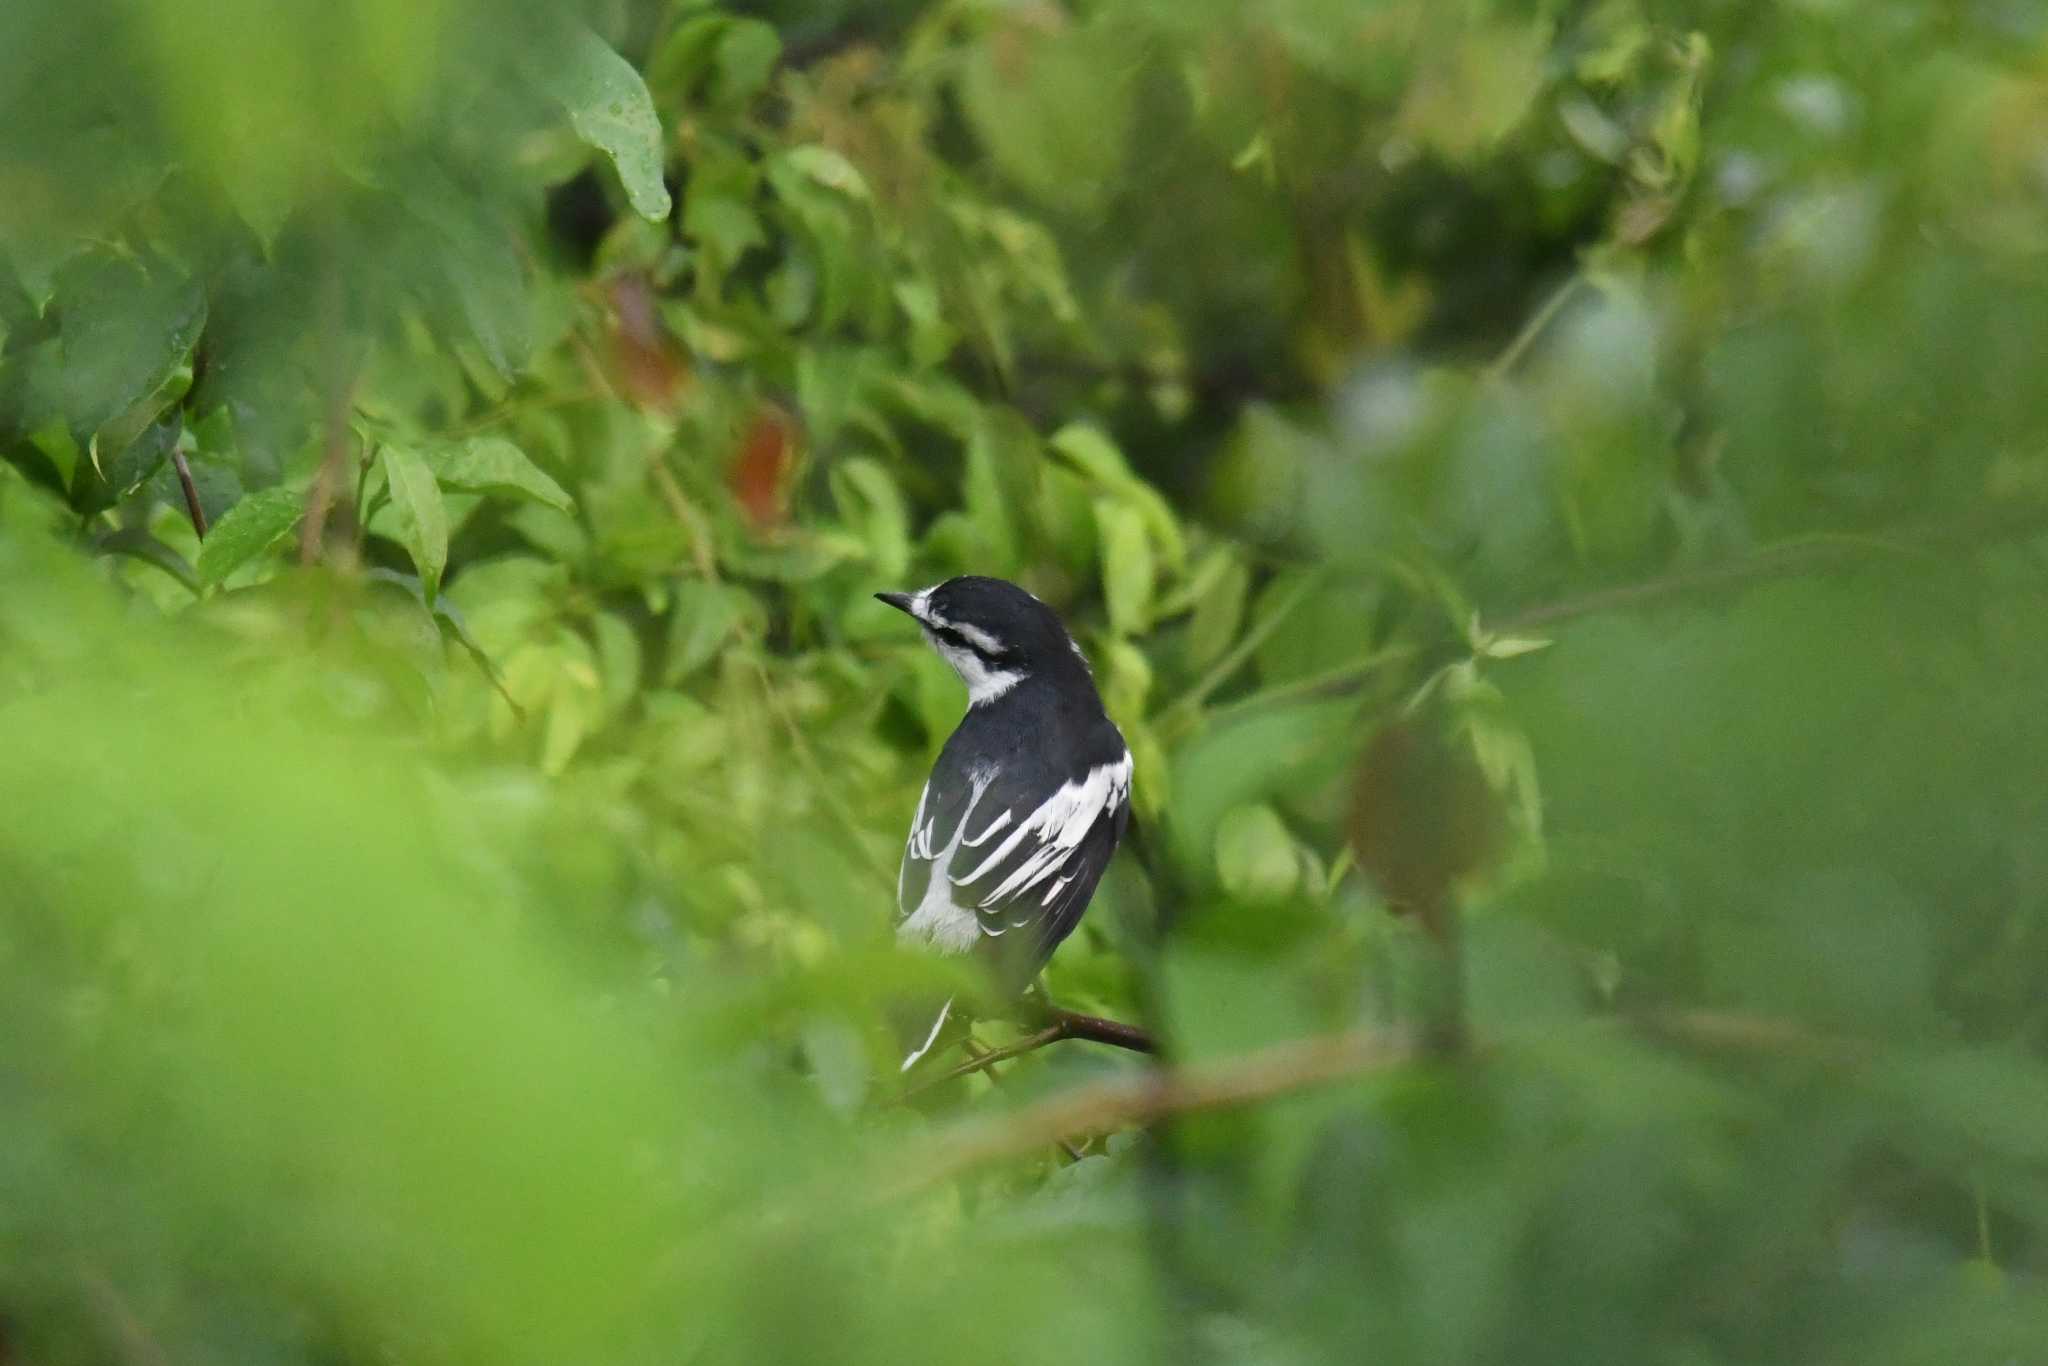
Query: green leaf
point(1129, 572)
point(702, 620)
point(723, 226)
point(1255, 856)
point(931, 337)
point(127, 337)
point(126, 466)
point(137, 544)
point(453, 628)
point(610, 109)
point(619, 660)
point(1224, 582)
point(1096, 456)
point(477, 278)
point(1272, 754)
point(248, 529)
point(873, 507)
point(829, 169)
point(1091, 450)
point(1484, 86)
point(493, 465)
point(422, 520)
point(1330, 624)
point(575, 703)
point(989, 506)
point(1509, 647)
point(719, 59)
point(53, 439)
point(851, 280)
point(1126, 676)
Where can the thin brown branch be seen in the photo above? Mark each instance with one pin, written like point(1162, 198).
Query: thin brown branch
point(1059, 1025)
point(1120, 1102)
point(192, 508)
point(1271, 1073)
point(1096, 1029)
point(328, 481)
point(980, 1062)
point(687, 514)
point(985, 1059)
point(1302, 1064)
point(1538, 323)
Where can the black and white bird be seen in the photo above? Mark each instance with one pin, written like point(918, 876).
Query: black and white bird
point(1028, 798)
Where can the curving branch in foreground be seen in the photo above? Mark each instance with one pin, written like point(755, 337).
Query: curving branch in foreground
point(1114, 1103)
point(1120, 1102)
point(1059, 1025)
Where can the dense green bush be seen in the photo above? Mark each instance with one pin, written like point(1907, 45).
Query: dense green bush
point(1559, 489)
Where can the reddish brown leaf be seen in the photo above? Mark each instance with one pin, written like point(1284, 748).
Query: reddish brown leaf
point(650, 366)
point(763, 468)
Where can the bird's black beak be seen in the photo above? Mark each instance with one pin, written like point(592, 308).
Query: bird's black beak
point(899, 601)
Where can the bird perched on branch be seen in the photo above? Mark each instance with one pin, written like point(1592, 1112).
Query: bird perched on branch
point(1028, 798)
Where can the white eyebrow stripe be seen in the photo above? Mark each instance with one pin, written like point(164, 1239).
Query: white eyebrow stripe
point(978, 638)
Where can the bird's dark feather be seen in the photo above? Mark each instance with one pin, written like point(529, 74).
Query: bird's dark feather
point(1010, 761)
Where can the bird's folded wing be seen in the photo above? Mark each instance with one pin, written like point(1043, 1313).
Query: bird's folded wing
point(932, 907)
point(1032, 865)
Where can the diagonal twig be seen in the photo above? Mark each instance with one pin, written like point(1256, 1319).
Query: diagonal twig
point(1059, 1025)
point(192, 508)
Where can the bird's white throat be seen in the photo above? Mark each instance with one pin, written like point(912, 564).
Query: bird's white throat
point(985, 683)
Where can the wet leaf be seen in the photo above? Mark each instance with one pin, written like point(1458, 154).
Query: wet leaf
point(610, 109)
point(492, 464)
point(253, 525)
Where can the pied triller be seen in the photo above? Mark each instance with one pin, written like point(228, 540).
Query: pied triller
point(1028, 798)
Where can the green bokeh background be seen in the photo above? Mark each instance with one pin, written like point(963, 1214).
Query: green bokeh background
point(444, 913)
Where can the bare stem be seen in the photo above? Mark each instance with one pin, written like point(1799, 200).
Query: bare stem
point(980, 1062)
point(1059, 1024)
point(1120, 1102)
point(1299, 1065)
point(192, 508)
point(1538, 323)
point(333, 460)
point(1095, 1029)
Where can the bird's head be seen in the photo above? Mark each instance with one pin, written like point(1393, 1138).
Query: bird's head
point(993, 633)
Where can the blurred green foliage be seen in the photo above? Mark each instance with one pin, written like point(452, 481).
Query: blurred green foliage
point(1574, 470)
